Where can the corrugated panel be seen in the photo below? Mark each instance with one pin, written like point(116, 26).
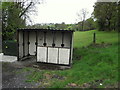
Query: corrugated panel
point(32, 46)
point(52, 55)
point(64, 56)
point(43, 29)
point(26, 43)
point(41, 54)
point(67, 39)
point(40, 38)
point(58, 39)
point(20, 44)
point(49, 38)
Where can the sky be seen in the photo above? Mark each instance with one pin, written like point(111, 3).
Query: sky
point(58, 11)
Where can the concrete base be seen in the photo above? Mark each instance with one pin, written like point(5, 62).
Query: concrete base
point(6, 58)
point(64, 67)
point(1, 54)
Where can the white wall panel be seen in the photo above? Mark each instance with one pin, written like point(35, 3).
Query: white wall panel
point(67, 39)
point(52, 55)
point(58, 39)
point(32, 46)
point(26, 43)
point(20, 44)
point(49, 38)
point(64, 56)
point(41, 54)
point(40, 38)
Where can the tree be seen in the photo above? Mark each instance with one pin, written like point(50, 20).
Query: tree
point(82, 16)
point(0, 28)
point(118, 16)
point(15, 15)
point(90, 24)
point(106, 15)
point(61, 26)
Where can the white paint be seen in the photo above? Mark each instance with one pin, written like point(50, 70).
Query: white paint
point(20, 44)
point(49, 38)
point(67, 39)
point(52, 55)
point(64, 56)
point(26, 43)
point(6, 58)
point(58, 39)
point(1, 54)
point(40, 38)
point(32, 46)
point(41, 54)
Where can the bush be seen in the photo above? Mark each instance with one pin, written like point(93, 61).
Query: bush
point(10, 48)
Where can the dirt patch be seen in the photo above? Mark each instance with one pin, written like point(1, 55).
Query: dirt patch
point(100, 45)
point(72, 85)
point(58, 77)
point(48, 66)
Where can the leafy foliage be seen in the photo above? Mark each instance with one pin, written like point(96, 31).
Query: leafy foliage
point(14, 15)
point(89, 24)
point(106, 15)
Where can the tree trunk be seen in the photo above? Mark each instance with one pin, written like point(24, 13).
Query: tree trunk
point(109, 26)
point(82, 25)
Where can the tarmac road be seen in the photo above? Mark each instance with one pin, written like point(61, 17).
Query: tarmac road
point(12, 79)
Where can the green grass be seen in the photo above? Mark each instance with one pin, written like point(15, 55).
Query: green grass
point(92, 64)
point(85, 38)
point(95, 64)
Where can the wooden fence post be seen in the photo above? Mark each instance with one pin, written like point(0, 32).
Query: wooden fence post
point(94, 37)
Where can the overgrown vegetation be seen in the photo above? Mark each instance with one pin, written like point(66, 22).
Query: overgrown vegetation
point(94, 65)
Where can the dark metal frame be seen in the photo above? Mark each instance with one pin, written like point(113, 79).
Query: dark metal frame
point(18, 45)
point(36, 43)
point(70, 48)
point(53, 44)
point(23, 44)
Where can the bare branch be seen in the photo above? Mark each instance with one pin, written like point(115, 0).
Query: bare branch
point(26, 9)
